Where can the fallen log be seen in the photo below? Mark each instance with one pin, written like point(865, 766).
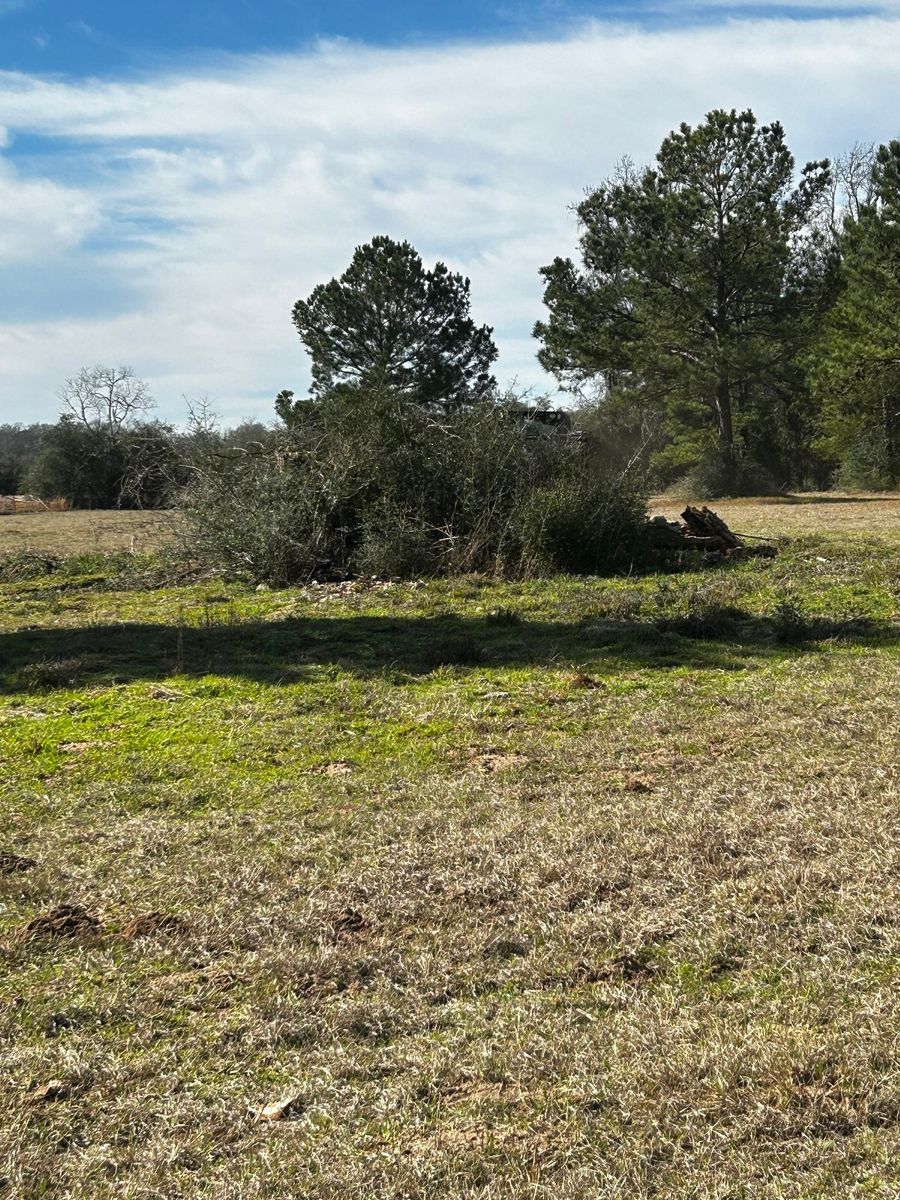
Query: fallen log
point(703, 522)
point(702, 529)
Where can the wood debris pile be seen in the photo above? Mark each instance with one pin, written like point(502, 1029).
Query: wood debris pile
point(702, 529)
point(21, 504)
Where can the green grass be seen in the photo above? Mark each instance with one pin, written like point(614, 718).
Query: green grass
point(570, 888)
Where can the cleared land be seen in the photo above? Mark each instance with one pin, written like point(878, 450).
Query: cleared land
point(86, 532)
point(575, 888)
point(147, 532)
point(813, 513)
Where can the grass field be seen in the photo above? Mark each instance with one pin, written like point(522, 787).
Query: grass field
point(571, 888)
point(80, 532)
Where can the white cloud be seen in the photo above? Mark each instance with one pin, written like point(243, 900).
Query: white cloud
point(223, 195)
point(40, 219)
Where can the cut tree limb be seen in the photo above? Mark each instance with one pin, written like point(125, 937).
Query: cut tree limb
point(703, 530)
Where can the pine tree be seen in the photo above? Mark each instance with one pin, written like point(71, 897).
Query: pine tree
point(856, 364)
point(388, 323)
point(683, 303)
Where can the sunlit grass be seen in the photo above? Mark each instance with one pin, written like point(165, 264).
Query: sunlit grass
point(576, 888)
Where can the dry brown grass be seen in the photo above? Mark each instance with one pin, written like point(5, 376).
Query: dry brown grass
point(829, 513)
point(578, 917)
point(489, 986)
point(80, 532)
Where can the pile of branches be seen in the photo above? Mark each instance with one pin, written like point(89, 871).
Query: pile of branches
point(702, 529)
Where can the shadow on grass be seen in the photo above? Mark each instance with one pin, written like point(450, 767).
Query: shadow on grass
point(296, 650)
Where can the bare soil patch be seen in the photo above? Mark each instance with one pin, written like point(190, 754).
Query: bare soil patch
point(14, 864)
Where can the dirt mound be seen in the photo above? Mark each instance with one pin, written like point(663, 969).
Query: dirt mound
point(12, 864)
point(152, 924)
point(348, 924)
point(66, 920)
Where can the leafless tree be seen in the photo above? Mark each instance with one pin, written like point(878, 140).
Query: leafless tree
point(105, 398)
point(849, 190)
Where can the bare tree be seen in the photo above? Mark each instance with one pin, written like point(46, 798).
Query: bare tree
point(850, 188)
point(105, 398)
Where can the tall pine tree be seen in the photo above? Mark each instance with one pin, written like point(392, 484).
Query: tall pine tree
point(855, 368)
point(388, 323)
point(683, 304)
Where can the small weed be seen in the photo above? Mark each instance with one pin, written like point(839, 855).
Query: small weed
point(53, 673)
point(790, 624)
point(456, 650)
point(503, 616)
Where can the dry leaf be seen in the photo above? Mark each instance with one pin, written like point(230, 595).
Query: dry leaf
point(280, 1110)
point(56, 1089)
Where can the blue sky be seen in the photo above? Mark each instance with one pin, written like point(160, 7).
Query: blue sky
point(174, 176)
point(110, 37)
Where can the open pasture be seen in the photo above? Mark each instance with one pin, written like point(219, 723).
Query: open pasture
point(812, 514)
point(573, 888)
point(83, 532)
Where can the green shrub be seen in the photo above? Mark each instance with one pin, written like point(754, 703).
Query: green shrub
point(394, 544)
point(372, 483)
point(869, 463)
point(255, 520)
point(710, 479)
point(583, 527)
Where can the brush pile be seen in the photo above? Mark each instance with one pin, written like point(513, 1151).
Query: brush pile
point(22, 504)
point(702, 529)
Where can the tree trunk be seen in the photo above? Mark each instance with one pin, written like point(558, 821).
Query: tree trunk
point(725, 430)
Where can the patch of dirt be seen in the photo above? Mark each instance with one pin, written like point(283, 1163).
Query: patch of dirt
point(493, 761)
point(582, 680)
point(602, 890)
point(166, 693)
point(152, 924)
point(473, 1136)
point(626, 966)
point(665, 758)
point(349, 923)
point(333, 769)
point(281, 1110)
point(56, 1089)
point(506, 948)
point(66, 920)
point(13, 864)
point(639, 782)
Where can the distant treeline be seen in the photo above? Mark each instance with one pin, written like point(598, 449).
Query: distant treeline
point(143, 464)
point(730, 326)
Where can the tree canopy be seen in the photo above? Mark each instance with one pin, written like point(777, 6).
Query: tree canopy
point(855, 366)
point(685, 301)
point(387, 322)
point(105, 399)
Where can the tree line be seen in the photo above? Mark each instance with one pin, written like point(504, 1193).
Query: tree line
point(729, 324)
point(733, 323)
